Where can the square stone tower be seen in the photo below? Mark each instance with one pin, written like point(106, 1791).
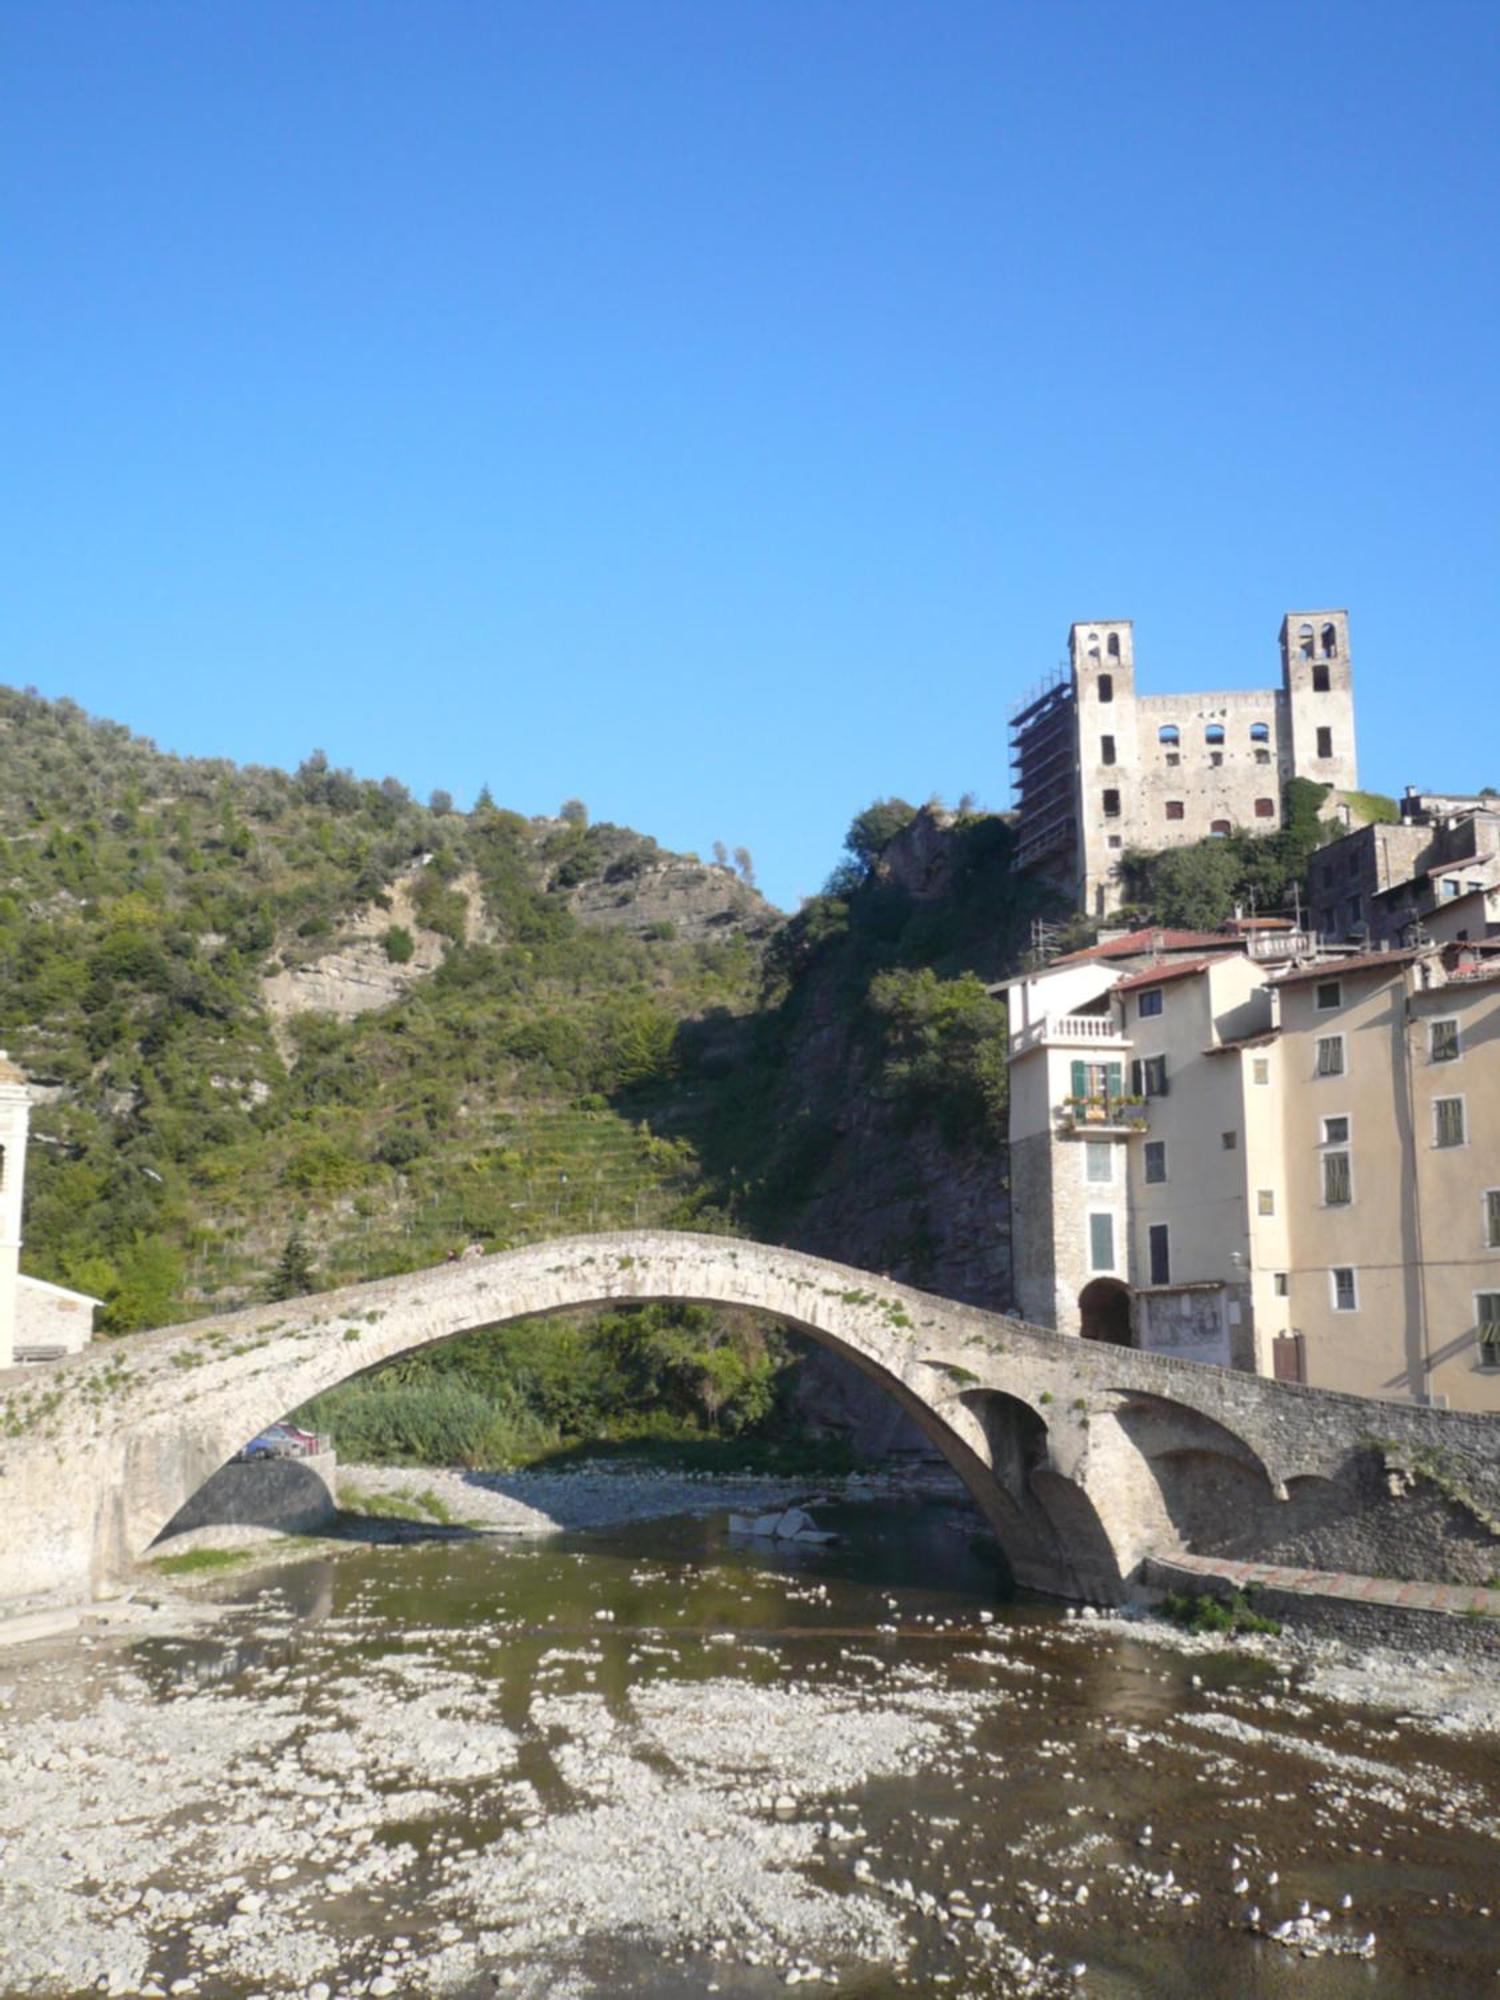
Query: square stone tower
point(1319, 698)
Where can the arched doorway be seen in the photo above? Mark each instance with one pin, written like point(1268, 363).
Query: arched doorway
point(1104, 1312)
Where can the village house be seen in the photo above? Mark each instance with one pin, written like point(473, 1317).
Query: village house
point(1242, 1150)
point(38, 1321)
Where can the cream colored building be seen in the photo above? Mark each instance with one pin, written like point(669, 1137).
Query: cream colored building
point(38, 1321)
point(1288, 1165)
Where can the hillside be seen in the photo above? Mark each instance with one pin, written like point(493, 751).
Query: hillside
point(253, 1003)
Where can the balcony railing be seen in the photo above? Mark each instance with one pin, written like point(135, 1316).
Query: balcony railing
point(1103, 1114)
point(1088, 1028)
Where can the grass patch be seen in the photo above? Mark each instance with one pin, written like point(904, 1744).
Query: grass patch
point(203, 1562)
point(405, 1504)
point(1202, 1612)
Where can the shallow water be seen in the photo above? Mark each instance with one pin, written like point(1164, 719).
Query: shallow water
point(620, 1831)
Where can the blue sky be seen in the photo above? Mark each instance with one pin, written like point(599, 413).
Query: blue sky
point(719, 411)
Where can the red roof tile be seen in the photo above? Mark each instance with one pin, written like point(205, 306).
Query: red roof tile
point(1135, 943)
point(1335, 968)
point(1158, 975)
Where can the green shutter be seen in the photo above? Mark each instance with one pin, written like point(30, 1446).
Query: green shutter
point(1080, 1079)
point(1114, 1084)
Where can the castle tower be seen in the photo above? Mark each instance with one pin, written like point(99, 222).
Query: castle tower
point(15, 1117)
point(1102, 655)
point(1318, 699)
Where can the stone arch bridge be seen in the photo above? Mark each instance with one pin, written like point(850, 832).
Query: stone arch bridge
point(1085, 1458)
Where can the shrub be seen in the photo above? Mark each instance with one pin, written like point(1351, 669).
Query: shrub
point(398, 945)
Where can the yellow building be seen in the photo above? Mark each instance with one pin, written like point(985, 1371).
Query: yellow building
point(1291, 1165)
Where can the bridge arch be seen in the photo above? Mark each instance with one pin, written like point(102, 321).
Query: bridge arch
point(237, 1374)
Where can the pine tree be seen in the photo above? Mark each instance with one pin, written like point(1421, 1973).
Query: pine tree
point(293, 1276)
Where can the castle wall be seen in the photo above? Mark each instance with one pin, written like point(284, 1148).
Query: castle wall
point(1158, 771)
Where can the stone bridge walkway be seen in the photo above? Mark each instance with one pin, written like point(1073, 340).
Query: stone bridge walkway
point(1450, 1597)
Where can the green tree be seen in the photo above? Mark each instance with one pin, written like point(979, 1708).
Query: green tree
point(873, 830)
point(398, 945)
point(293, 1277)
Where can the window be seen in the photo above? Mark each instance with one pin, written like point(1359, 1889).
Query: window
point(1265, 809)
point(1328, 994)
point(1328, 875)
point(1260, 732)
point(1262, 756)
point(1487, 1316)
point(1099, 1162)
point(1175, 809)
point(1111, 805)
point(1158, 1237)
point(1338, 1186)
point(1174, 757)
point(1260, 1069)
point(1331, 1055)
point(1097, 1080)
point(1448, 1121)
point(1330, 642)
point(1305, 641)
point(1148, 1077)
point(1106, 687)
point(1220, 829)
point(1213, 732)
point(1442, 1042)
point(1216, 756)
point(1112, 645)
point(1320, 679)
point(1101, 1243)
point(1156, 1166)
point(1229, 1141)
point(1325, 742)
point(1449, 887)
point(1281, 1284)
point(1148, 1003)
point(1106, 749)
point(1114, 840)
point(1168, 733)
point(1265, 1201)
point(1336, 1131)
point(1491, 1217)
point(1345, 1296)
point(1356, 909)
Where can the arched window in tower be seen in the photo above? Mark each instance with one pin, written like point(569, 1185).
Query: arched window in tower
point(1168, 733)
point(1214, 733)
point(1094, 647)
point(1112, 646)
point(1220, 829)
point(1260, 732)
point(1305, 641)
point(1330, 643)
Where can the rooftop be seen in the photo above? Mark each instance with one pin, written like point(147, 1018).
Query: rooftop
point(1135, 944)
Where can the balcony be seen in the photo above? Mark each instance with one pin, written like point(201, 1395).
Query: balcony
point(1102, 1117)
point(1060, 1030)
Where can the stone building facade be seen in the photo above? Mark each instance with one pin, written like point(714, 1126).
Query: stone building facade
point(1099, 768)
point(1435, 875)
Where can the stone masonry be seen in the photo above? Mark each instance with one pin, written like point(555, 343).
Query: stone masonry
point(1085, 1458)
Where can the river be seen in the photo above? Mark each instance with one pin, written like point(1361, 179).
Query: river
point(658, 1761)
